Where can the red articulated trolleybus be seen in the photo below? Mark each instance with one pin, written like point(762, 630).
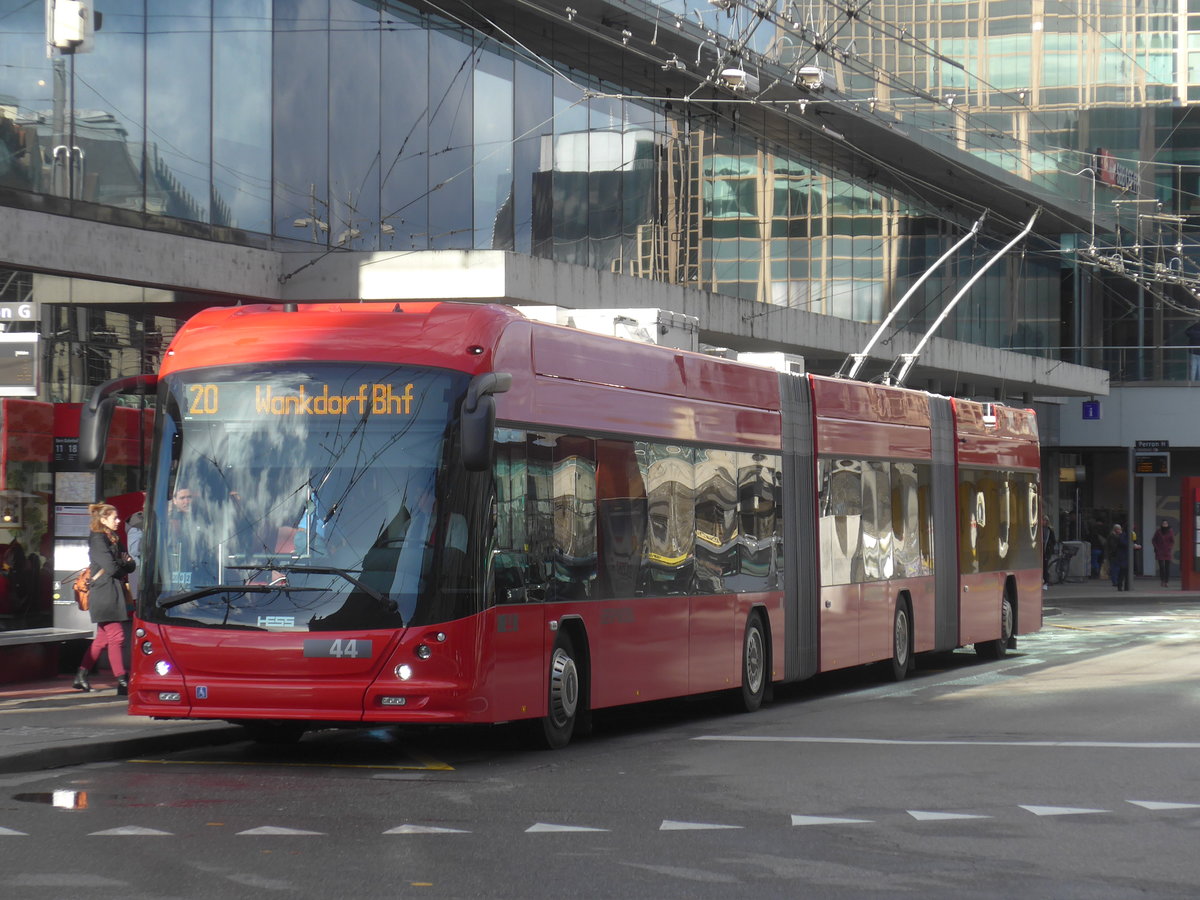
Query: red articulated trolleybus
point(446, 512)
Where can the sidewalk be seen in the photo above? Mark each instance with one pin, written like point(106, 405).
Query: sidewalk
point(1140, 588)
point(48, 724)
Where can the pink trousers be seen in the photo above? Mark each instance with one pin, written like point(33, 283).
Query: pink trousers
point(112, 636)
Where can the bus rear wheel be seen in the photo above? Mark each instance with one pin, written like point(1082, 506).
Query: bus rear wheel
point(998, 648)
point(563, 701)
point(754, 664)
point(902, 658)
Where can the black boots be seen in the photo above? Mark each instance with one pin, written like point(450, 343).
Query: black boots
point(81, 683)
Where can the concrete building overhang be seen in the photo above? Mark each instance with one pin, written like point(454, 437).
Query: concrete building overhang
point(75, 247)
point(945, 366)
point(629, 43)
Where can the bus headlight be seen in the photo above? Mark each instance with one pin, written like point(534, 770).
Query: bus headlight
point(162, 667)
point(404, 671)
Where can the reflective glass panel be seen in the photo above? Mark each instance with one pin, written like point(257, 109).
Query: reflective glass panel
point(178, 100)
point(301, 120)
point(241, 197)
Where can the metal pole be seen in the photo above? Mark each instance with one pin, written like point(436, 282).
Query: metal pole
point(905, 361)
point(854, 361)
point(1129, 522)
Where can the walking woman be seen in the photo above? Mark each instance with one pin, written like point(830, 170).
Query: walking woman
point(109, 565)
point(1164, 549)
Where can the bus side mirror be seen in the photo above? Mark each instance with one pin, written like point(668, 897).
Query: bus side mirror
point(95, 417)
point(479, 419)
point(93, 433)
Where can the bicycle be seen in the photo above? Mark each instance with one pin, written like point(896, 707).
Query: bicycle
point(1060, 564)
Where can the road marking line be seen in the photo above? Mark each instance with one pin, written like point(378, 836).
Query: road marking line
point(1060, 810)
point(424, 829)
point(543, 828)
point(275, 829)
point(8, 832)
point(1090, 745)
point(1155, 804)
point(132, 831)
point(923, 816)
point(827, 820)
point(672, 825)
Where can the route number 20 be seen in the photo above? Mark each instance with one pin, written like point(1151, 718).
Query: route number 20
point(204, 399)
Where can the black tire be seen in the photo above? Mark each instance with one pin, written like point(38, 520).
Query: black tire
point(274, 733)
point(564, 693)
point(998, 648)
point(902, 642)
point(754, 664)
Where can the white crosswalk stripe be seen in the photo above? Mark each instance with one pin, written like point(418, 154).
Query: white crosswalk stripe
point(672, 825)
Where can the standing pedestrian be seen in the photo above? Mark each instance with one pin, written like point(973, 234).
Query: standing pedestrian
point(133, 533)
point(1049, 543)
point(109, 564)
point(1164, 549)
point(1116, 550)
point(134, 529)
point(1096, 539)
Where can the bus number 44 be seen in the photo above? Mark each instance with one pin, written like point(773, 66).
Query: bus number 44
point(340, 648)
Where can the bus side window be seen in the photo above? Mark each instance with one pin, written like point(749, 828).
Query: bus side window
point(510, 579)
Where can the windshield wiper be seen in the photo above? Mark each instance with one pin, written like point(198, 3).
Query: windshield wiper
point(386, 602)
point(189, 596)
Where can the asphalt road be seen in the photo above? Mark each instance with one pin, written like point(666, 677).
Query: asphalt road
point(1068, 770)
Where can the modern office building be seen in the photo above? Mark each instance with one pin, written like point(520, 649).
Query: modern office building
point(785, 172)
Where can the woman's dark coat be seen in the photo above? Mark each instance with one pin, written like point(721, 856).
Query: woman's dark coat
point(107, 595)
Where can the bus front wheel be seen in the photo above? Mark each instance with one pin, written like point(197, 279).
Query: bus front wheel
point(563, 701)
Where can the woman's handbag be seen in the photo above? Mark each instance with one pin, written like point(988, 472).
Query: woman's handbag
point(83, 584)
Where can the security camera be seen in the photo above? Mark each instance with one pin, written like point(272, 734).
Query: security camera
point(740, 80)
point(811, 78)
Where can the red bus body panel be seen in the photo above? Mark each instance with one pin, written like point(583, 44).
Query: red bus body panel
point(1008, 442)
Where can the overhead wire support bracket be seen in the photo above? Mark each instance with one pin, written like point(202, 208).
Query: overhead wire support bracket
point(904, 363)
point(854, 361)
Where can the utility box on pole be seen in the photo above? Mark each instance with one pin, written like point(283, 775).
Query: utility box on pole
point(70, 25)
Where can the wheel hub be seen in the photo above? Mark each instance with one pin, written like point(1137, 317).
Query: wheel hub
point(564, 688)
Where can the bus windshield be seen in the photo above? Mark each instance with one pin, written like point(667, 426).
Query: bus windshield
point(307, 497)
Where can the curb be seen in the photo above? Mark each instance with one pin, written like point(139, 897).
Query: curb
point(62, 755)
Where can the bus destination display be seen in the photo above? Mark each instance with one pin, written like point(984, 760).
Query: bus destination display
point(244, 400)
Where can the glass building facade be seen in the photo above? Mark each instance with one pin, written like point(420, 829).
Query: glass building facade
point(384, 127)
point(388, 127)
